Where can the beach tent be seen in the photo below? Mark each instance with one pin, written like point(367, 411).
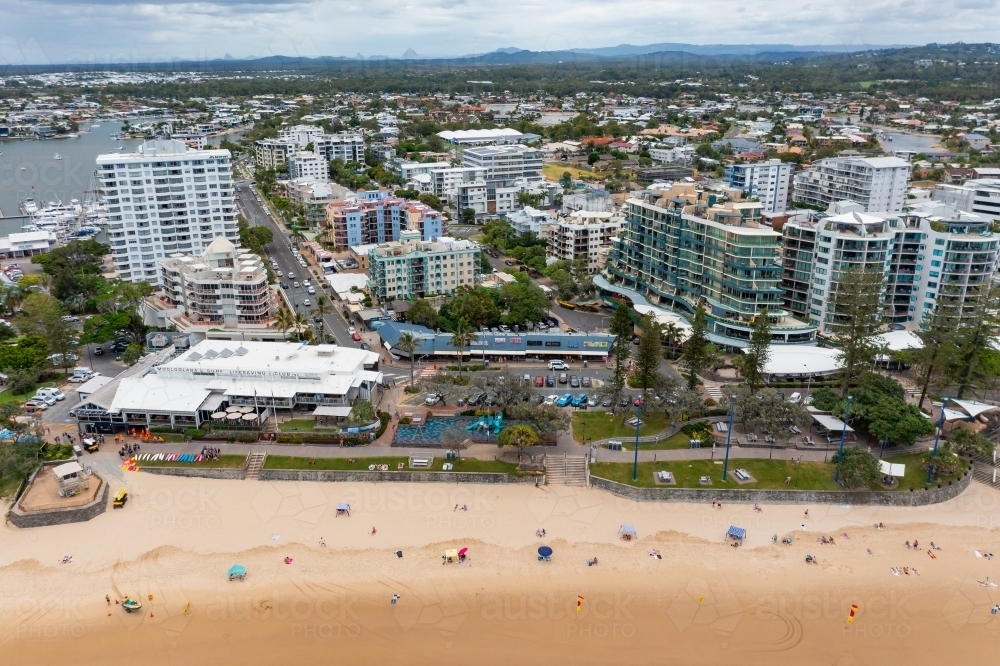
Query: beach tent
point(237, 571)
point(736, 532)
point(544, 553)
point(628, 531)
point(343, 507)
point(891, 469)
point(450, 555)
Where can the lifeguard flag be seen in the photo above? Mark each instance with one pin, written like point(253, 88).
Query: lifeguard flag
point(579, 603)
point(850, 616)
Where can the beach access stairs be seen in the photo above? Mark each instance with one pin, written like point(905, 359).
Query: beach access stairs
point(254, 463)
point(566, 470)
point(986, 470)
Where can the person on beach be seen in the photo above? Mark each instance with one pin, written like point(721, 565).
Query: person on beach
point(322, 542)
point(373, 529)
point(108, 599)
point(807, 513)
point(395, 598)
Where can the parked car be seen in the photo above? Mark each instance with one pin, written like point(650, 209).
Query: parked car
point(306, 283)
point(47, 399)
point(563, 378)
point(564, 399)
point(98, 350)
point(70, 319)
point(606, 402)
point(475, 398)
point(291, 275)
point(351, 330)
point(118, 346)
point(295, 285)
point(504, 328)
point(550, 381)
point(580, 400)
point(311, 291)
point(366, 346)
point(558, 365)
point(585, 382)
point(550, 399)
point(574, 381)
point(539, 381)
point(432, 399)
point(592, 402)
point(306, 302)
point(35, 406)
point(356, 336)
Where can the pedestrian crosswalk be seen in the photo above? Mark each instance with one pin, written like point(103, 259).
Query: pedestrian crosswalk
point(714, 392)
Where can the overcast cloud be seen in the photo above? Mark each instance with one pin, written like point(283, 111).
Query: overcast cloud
point(71, 31)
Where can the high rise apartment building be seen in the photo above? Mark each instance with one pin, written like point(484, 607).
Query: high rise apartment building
point(305, 164)
point(933, 256)
point(377, 217)
point(769, 182)
point(877, 183)
point(343, 146)
point(582, 237)
point(165, 198)
point(680, 248)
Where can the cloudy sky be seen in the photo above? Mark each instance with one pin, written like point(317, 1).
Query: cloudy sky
point(61, 31)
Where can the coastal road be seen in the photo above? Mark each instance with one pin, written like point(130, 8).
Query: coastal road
point(281, 250)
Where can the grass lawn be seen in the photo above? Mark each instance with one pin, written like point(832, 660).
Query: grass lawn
point(769, 474)
point(916, 474)
point(361, 464)
point(297, 425)
point(602, 425)
point(555, 172)
point(9, 396)
point(229, 461)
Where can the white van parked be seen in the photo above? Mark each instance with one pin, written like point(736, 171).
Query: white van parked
point(50, 392)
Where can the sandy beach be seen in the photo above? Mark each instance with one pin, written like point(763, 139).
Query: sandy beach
point(702, 603)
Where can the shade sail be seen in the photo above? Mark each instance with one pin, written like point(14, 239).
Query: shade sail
point(892, 469)
point(737, 532)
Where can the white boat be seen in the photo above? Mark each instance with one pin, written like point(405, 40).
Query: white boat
point(28, 206)
point(95, 126)
point(57, 156)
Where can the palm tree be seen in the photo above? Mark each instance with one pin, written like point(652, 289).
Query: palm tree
point(12, 297)
point(283, 321)
point(408, 343)
point(322, 307)
point(300, 324)
point(463, 336)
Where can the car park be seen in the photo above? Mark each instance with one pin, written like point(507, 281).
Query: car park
point(574, 381)
point(539, 381)
point(558, 365)
point(564, 399)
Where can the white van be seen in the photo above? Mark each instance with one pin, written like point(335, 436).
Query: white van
point(51, 392)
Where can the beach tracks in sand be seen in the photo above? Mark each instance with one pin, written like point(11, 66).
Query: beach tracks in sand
point(789, 636)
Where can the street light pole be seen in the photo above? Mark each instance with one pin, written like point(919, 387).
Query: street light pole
point(635, 465)
point(809, 379)
point(937, 436)
point(843, 436)
point(729, 435)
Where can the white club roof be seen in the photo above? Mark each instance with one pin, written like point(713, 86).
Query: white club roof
point(286, 358)
point(831, 423)
point(900, 340)
point(801, 360)
point(152, 392)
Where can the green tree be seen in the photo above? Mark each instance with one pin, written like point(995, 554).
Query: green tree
point(857, 322)
point(699, 353)
point(967, 442)
point(323, 307)
point(523, 303)
point(621, 327)
point(946, 462)
point(857, 468)
point(408, 343)
point(42, 315)
point(754, 360)
point(133, 353)
point(933, 362)
point(546, 419)
point(422, 313)
point(973, 339)
point(566, 180)
point(29, 354)
point(519, 436)
point(646, 370)
point(767, 411)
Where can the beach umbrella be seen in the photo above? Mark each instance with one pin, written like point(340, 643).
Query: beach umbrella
point(237, 570)
point(463, 551)
point(545, 551)
point(235, 416)
point(233, 408)
point(246, 409)
point(249, 417)
point(218, 415)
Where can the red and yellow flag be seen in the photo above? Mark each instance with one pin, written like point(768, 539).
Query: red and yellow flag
point(850, 616)
point(579, 603)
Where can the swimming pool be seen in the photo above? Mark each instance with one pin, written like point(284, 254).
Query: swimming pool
point(433, 432)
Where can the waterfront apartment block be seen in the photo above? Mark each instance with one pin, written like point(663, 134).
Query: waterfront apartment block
point(932, 256)
point(583, 236)
point(304, 164)
point(681, 248)
point(165, 198)
point(877, 183)
point(411, 268)
point(272, 153)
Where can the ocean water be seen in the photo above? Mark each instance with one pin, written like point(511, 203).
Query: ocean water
point(28, 170)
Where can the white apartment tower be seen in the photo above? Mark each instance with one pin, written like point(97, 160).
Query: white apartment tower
point(877, 183)
point(303, 164)
point(769, 182)
point(162, 199)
